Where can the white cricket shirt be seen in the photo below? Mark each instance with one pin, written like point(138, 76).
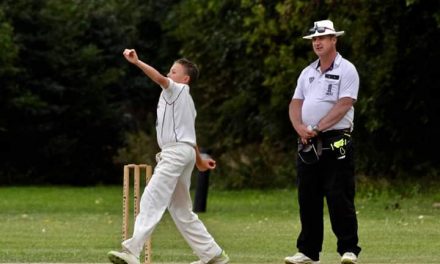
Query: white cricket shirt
point(176, 115)
point(320, 91)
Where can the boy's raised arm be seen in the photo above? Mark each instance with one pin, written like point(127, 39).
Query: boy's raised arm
point(131, 56)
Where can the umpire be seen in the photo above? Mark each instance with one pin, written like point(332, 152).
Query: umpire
point(321, 112)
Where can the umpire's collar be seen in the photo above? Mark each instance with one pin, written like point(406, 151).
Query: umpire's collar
point(335, 63)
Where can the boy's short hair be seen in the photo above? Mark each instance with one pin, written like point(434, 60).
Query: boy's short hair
point(191, 69)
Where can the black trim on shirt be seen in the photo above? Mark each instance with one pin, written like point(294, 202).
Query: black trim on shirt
point(173, 115)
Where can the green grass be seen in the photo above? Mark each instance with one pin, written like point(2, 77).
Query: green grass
point(63, 224)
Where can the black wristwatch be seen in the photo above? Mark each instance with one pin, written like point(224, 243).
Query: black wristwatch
point(316, 129)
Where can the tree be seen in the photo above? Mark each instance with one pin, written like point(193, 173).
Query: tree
point(62, 121)
point(253, 56)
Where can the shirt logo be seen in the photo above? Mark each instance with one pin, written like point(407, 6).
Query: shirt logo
point(329, 90)
point(332, 76)
point(311, 79)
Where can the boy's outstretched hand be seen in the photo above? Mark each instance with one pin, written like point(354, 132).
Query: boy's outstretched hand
point(131, 55)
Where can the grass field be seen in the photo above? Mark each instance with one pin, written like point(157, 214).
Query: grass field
point(79, 225)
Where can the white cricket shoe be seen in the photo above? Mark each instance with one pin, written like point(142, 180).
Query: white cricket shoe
point(220, 259)
point(123, 257)
point(349, 258)
point(299, 258)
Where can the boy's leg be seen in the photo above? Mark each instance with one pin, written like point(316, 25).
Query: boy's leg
point(188, 223)
point(157, 196)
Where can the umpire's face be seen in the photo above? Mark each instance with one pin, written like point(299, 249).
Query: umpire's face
point(324, 45)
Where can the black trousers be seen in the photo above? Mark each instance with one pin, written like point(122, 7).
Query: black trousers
point(334, 180)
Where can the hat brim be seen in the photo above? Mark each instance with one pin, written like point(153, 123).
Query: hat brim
point(327, 32)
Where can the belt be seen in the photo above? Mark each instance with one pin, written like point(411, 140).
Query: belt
point(325, 139)
point(174, 144)
point(333, 133)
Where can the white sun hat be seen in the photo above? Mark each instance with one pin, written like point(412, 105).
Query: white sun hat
point(322, 28)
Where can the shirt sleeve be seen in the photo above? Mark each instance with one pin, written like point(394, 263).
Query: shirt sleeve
point(349, 86)
point(299, 92)
point(173, 91)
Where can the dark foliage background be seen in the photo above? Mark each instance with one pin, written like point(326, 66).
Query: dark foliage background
point(72, 111)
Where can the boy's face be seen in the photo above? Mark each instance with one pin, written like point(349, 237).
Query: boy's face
point(178, 74)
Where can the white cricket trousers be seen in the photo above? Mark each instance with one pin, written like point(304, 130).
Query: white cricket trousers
point(169, 188)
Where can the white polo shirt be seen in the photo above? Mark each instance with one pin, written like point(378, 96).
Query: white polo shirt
point(176, 115)
point(321, 91)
